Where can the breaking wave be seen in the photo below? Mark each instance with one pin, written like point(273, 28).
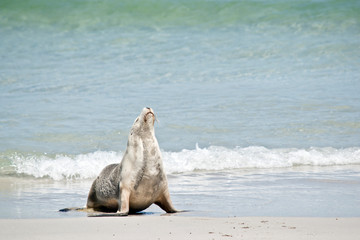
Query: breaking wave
point(214, 158)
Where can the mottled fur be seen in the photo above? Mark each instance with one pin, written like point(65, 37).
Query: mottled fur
point(139, 180)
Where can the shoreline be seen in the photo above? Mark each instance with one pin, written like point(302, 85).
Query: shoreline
point(180, 227)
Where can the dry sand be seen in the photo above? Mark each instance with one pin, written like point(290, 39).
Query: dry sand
point(179, 227)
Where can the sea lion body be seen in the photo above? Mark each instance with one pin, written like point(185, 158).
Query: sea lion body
point(139, 180)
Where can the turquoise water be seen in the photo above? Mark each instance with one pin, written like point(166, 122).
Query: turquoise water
point(235, 85)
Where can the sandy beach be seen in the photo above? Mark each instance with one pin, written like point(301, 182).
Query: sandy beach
point(257, 106)
point(178, 227)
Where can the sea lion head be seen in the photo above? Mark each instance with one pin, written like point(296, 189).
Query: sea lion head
point(145, 121)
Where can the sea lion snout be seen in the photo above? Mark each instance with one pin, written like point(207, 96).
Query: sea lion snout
point(148, 114)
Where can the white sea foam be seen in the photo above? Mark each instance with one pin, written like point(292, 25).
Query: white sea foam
point(60, 167)
point(214, 158)
point(220, 158)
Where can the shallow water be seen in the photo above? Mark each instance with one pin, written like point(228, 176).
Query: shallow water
point(271, 86)
point(302, 191)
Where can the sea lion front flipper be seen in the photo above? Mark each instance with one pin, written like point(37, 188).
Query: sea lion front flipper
point(165, 203)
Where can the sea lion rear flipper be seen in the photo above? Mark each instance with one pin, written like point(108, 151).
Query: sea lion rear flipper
point(117, 214)
point(83, 209)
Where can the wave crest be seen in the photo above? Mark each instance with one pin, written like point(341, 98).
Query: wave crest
point(214, 158)
point(60, 167)
point(221, 158)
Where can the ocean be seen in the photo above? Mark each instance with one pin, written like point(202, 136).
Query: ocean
point(257, 102)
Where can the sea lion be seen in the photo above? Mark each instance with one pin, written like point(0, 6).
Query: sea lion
point(139, 180)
